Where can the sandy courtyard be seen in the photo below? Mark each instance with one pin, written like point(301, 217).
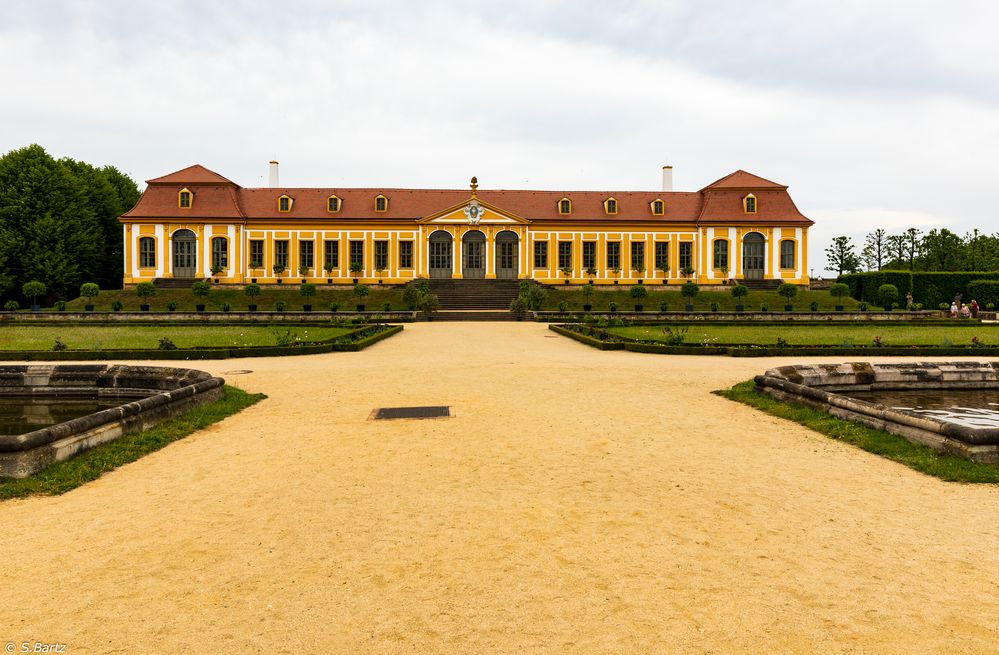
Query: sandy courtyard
point(580, 502)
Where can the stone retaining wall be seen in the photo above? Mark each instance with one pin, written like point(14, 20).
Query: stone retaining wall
point(203, 317)
point(157, 393)
point(816, 386)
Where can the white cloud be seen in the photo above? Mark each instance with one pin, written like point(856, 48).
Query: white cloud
point(889, 106)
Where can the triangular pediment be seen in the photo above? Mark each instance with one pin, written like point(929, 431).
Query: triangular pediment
point(489, 214)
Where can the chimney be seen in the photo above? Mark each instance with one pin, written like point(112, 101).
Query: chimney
point(274, 175)
point(667, 178)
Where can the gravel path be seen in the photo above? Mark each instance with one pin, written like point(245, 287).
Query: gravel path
point(580, 501)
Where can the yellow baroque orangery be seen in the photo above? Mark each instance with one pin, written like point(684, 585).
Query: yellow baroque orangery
point(195, 223)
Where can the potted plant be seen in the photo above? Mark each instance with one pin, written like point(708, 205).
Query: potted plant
point(863, 306)
point(279, 306)
point(361, 290)
point(329, 272)
point(638, 292)
point(665, 271)
point(11, 306)
point(145, 290)
point(378, 273)
point(201, 289)
point(216, 269)
point(839, 291)
point(251, 290)
point(764, 308)
point(686, 271)
point(171, 306)
point(714, 306)
point(356, 269)
point(334, 307)
point(615, 272)
point(429, 303)
point(34, 289)
point(60, 305)
point(591, 271)
point(640, 273)
point(278, 270)
point(117, 306)
point(689, 290)
point(663, 306)
point(89, 291)
point(613, 307)
point(566, 273)
point(724, 272)
point(587, 292)
point(226, 307)
point(814, 306)
point(787, 291)
point(562, 307)
point(307, 289)
point(303, 271)
point(739, 291)
point(887, 295)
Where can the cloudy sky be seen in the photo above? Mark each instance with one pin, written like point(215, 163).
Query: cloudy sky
point(876, 113)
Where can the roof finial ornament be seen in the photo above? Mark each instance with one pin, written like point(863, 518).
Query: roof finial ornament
point(474, 185)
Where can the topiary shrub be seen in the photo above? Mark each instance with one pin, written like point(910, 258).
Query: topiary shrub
point(11, 306)
point(117, 306)
point(307, 289)
point(252, 290)
point(689, 290)
point(89, 290)
point(887, 295)
point(201, 289)
point(740, 291)
point(787, 291)
point(839, 291)
point(638, 291)
point(33, 289)
point(145, 290)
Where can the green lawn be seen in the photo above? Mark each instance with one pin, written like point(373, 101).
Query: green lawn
point(601, 300)
point(106, 337)
point(891, 334)
point(879, 442)
point(237, 300)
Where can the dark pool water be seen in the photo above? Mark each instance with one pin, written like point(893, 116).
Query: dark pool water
point(974, 408)
point(22, 415)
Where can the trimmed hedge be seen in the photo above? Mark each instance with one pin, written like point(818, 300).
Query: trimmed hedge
point(928, 288)
point(983, 292)
point(586, 339)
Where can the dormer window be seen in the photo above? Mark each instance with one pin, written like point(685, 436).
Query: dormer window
point(284, 204)
point(564, 206)
point(610, 206)
point(749, 204)
point(658, 207)
point(333, 204)
point(185, 199)
point(381, 203)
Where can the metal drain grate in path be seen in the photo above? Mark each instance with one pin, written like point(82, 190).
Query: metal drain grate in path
point(387, 413)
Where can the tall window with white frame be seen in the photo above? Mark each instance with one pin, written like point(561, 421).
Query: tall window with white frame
point(306, 254)
point(220, 253)
point(256, 254)
point(405, 254)
point(147, 252)
point(638, 256)
point(614, 255)
point(331, 255)
point(356, 254)
point(590, 256)
point(381, 255)
point(787, 254)
point(540, 254)
point(720, 259)
point(281, 253)
point(662, 257)
point(565, 255)
point(686, 255)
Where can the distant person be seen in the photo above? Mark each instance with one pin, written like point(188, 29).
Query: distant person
point(953, 309)
point(965, 312)
point(974, 308)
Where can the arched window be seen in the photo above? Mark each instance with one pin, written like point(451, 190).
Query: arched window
point(564, 206)
point(610, 206)
point(721, 254)
point(220, 252)
point(284, 204)
point(381, 203)
point(749, 204)
point(333, 204)
point(185, 199)
point(658, 207)
point(147, 252)
point(787, 254)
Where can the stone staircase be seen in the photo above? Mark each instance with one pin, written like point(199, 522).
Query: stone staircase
point(493, 295)
point(761, 285)
point(175, 282)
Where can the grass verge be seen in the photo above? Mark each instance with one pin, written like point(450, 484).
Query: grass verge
point(918, 457)
point(92, 464)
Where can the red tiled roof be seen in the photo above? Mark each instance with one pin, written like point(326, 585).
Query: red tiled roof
point(743, 180)
point(217, 197)
point(196, 174)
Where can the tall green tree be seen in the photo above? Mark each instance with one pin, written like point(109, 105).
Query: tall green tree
point(875, 252)
point(941, 250)
point(912, 246)
point(842, 256)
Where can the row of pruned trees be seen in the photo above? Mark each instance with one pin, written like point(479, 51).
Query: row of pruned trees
point(914, 250)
